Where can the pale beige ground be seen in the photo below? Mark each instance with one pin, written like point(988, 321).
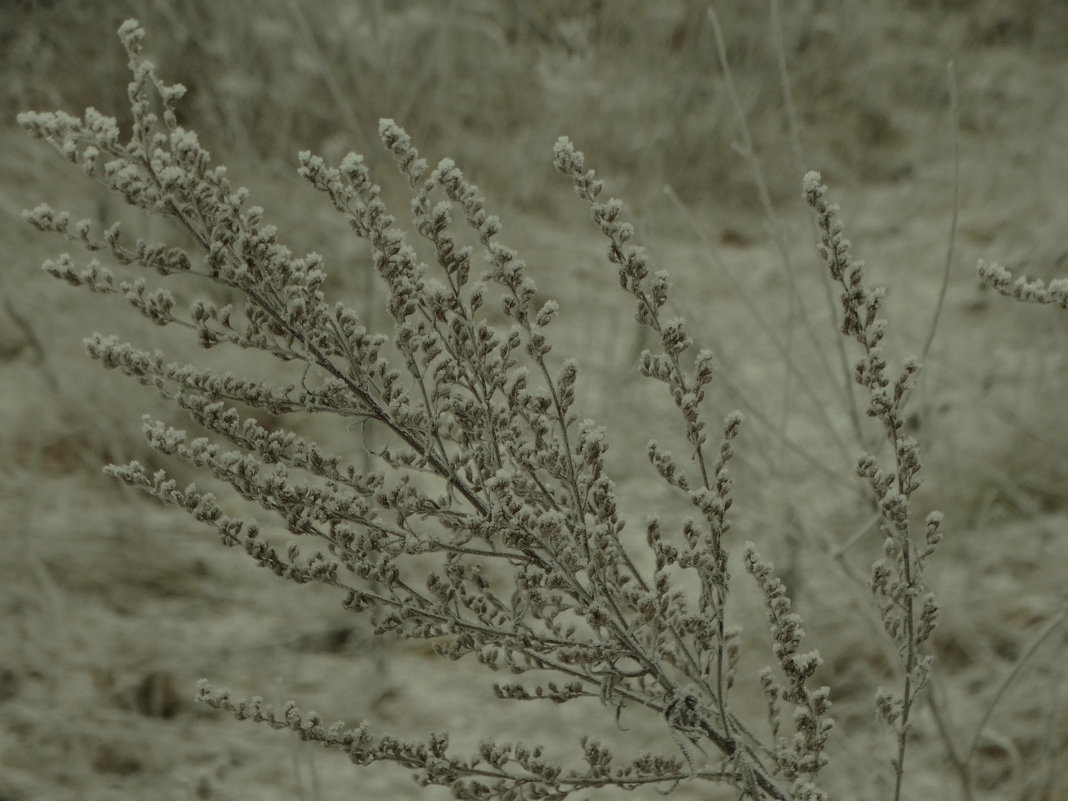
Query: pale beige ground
point(113, 607)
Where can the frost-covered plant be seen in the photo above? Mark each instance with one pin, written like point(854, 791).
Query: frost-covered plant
point(908, 609)
point(490, 526)
point(1028, 291)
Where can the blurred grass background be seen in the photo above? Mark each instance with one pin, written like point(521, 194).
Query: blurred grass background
point(113, 606)
point(642, 81)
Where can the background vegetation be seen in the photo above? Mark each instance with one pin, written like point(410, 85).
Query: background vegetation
point(112, 606)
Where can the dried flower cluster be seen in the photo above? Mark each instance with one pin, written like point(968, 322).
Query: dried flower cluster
point(909, 610)
point(1033, 291)
point(488, 472)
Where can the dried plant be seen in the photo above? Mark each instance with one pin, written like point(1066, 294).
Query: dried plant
point(490, 527)
point(908, 609)
point(1033, 291)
